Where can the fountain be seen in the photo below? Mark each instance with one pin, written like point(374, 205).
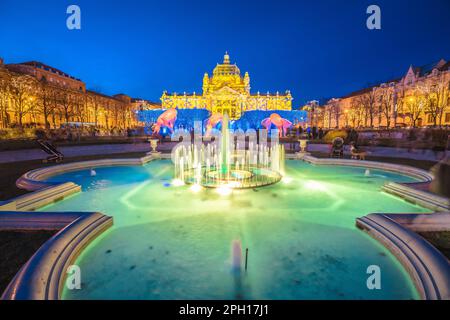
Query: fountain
point(226, 166)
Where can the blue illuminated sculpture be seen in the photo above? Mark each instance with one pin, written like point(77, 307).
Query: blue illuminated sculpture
point(185, 119)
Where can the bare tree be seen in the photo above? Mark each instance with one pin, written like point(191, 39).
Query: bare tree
point(414, 106)
point(356, 113)
point(45, 103)
point(67, 104)
point(399, 101)
point(97, 109)
point(99, 106)
point(442, 95)
point(56, 109)
point(436, 94)
point(126, 115)
point(4, 98)
point(89, 107)
point(79, 101)
point(23, 90)
point(115, 112)
point(333, 111)
point(369, 102)
point(327, 115)
point(107, 113)
point(387, 95)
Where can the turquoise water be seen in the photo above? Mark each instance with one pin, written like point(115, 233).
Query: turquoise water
point(169, 242)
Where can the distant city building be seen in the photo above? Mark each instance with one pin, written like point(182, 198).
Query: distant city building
point(142, 104)
point(55, 98)
point(227, 91)
point(419, 98)
point(43, 72)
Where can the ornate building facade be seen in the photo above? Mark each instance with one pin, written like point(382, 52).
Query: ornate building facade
point(33, 94)
point(227, 91)
point(421, 97)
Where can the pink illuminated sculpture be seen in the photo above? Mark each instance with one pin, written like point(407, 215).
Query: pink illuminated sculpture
point(277, 121)
point(166, 119)
point(212, 122)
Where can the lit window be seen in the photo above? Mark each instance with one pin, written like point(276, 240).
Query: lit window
point(447, 117)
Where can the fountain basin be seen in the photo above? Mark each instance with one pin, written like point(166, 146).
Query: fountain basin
point(301, 236)
point(235, 178)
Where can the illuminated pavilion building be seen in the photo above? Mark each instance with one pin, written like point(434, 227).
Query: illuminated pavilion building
point(227, 91)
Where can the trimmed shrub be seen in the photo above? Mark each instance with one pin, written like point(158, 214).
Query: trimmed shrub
point(331, 135)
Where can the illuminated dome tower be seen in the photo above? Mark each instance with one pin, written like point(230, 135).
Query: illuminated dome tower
point(226, 91)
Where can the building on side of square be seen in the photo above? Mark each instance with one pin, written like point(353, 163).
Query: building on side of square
point(34, 94)
point(227, 91)
point(419, 98)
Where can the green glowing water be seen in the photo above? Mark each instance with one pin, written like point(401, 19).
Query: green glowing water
point(172, 243)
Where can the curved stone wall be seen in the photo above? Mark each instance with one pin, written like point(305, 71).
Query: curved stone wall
point(428, 268)
point(422, 175)
point(403, 190)
point(43, 276)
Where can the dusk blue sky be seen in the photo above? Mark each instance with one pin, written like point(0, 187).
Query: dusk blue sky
point(317, 49)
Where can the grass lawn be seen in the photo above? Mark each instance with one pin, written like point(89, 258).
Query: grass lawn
point(16, 247)
point(440, 240)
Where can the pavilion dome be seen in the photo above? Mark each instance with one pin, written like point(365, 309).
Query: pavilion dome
point(226, 68)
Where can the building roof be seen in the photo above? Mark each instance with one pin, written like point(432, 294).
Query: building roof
point(171, 94)
point(134, 100)
point(428, 68)
point(446, 66)
point(226, 68)
point(40, 65)
point(359, 92)
point(421, 71)
point(102, 95)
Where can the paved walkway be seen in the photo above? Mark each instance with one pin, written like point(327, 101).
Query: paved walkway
point(73, 151)
point(416, 154)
